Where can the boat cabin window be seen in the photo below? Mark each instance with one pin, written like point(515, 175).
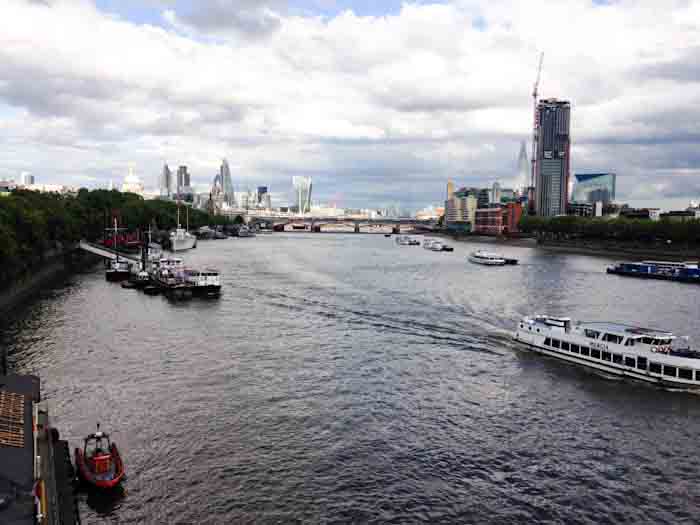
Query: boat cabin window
point(593, 334)
point(595, 353)
point(655, 368)
point(574, 348)
point(617, 358)
point(565, 346)
point(629, 361)
point(555, 343)
point(547, 342)
point(585, 350)
point(607, 356)
point(642, 363)
point(665, 341)
point(669, 370)
point(697, 375)
point(685, 373)
point(629, 342)
point(612, 338)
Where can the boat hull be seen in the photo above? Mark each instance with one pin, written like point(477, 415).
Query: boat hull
point(117, 275)
point(654, 276)
point(487, 262)
point(182, 244)
point(86, 475)
point(206, 291)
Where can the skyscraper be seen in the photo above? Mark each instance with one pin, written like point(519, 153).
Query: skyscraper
point(302, 191)
point(26, 178)
point(166, 182)
point(183, 180)
point(523, 175)
point(450, 189)
point(226, 184)
point(553, 150)
point(496, 192)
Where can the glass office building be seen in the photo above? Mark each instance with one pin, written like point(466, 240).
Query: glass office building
point(594, 187)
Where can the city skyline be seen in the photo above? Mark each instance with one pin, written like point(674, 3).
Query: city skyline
point(370, 101)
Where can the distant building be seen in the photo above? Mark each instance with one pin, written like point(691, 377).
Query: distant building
point(640, 213)
point(27, 179)
point(523, 175)
point(483, 198)
point(553, 151)
point(461, 207)
point(226, 183)
point(594, 187)
point(302, 189)
point(496, 193)
point(678, 216)
point(184, 189)
point(132, 183)
point(507, 195)
point(489, 221)
point(264, 198)
point(498, 219)
point(166, 182)
point(580, 209)
point(450, 189)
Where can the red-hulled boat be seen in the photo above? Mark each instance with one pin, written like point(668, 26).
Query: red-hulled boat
point(99, 462)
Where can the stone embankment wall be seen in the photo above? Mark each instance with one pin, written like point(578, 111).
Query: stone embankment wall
point(630, 250)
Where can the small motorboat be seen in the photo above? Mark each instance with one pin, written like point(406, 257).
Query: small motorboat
point(99, 462)
point(387, 235)
point(447, 248)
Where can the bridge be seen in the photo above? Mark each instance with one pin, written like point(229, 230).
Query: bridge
point(107, 253)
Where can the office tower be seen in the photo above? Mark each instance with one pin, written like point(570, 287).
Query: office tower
point(26, 178)
point(594, 187)
point(483, 197)
point(183, 180)
point(226, 183)
point(496, 193)
point(302, 191)
point(450, 189)
point(166, 182)
point(553, 151)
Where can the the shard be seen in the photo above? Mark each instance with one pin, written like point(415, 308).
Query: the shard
point(523, 167)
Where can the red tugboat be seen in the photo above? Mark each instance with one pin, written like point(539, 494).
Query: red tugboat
point(99, 463)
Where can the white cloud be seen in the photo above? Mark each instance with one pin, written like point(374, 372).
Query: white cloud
point(373, 107)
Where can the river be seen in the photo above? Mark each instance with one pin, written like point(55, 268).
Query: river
point(344, 378)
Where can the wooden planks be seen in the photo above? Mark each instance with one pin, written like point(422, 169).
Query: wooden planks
point(11, 419)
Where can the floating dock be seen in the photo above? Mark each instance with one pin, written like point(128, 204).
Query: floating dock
point(36, 474)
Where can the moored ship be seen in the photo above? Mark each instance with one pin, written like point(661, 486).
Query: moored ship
point(643, 354)
point(687, 272)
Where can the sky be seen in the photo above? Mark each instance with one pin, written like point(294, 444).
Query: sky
point(380, 102)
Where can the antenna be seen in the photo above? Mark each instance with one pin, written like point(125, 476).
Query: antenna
point(535, 123)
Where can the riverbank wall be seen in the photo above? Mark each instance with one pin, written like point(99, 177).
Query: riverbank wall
point(618, 249)
point(56, 264)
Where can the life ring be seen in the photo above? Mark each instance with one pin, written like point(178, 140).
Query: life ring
point(654, 349)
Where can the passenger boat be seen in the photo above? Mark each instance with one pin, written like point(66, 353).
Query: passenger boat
point(447, 248)
point(403, 240)
point(490, 259)
point(99, 462)
point(427, 243)
point(204, 282)
point(687, 272)
point(435, 246)
point(638, 353)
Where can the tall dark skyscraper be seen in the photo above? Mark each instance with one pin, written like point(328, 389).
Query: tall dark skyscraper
point(553, 157)
point(166, 182)
point(183, 180)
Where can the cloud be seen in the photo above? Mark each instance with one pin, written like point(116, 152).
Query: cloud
point(376, 108)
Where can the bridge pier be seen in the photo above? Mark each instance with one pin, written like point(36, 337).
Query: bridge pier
point(357, 227)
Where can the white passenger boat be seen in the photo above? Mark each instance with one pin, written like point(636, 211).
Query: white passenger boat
point(436, 246)
point(644, 354)
point(427, 243)
point(490, 259)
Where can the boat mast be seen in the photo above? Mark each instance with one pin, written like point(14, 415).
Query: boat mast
point(114, 239)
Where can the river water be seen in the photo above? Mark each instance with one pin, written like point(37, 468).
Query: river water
point(343, 378)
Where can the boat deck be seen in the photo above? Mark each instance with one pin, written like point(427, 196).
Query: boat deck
point(619, 328)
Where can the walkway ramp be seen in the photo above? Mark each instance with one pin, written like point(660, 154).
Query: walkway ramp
point(107, 253)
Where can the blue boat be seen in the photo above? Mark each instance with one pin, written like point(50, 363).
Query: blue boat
point(687, 272)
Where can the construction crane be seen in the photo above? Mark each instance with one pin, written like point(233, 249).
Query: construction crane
point(535, 127)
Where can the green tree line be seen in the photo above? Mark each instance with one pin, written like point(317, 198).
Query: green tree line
point(619, 229)
point(32, 223)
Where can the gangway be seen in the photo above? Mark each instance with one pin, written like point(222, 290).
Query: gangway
point(105, 252)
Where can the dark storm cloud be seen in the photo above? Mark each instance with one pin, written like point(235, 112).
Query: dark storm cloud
point(249, 18)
